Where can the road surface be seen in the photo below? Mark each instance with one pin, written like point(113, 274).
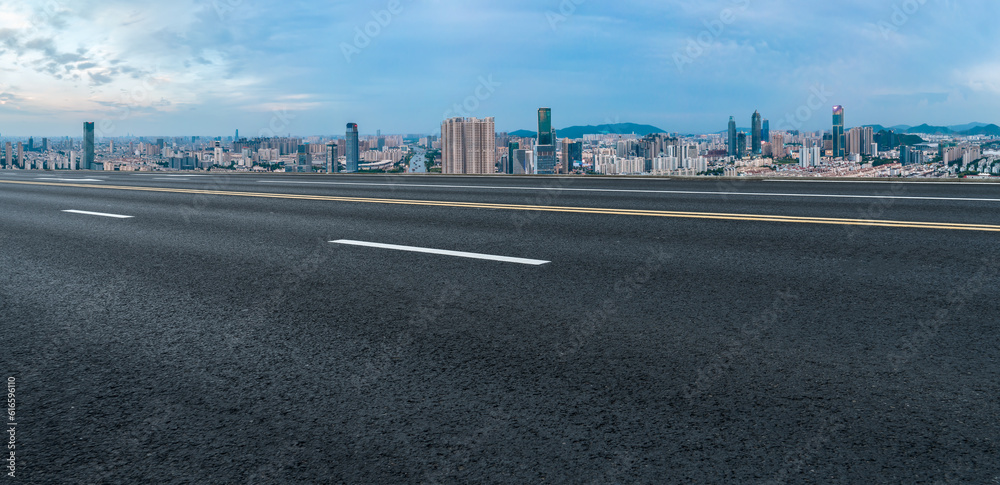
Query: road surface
point(418, 329)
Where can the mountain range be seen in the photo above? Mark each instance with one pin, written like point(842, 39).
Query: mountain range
point(969, 129)
point(576, 132)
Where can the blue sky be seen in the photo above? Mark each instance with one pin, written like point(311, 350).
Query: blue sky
point(209, 67)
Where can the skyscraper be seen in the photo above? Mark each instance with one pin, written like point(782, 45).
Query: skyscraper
point(468, 146)
point(511, 148)
point(741, 145)
point(20, 156)
point(565, 165)
point(353, 151)
point(9, 155)
point(575, 154)
point(778, 146)
point(545, 150)
point(332, 162)
point(732, 137)
point(765, 132)
point(523, 162)
point(88, 162)
point(545, 136)
point(303, 159)
point(839, 141)
point(854, 141)
point(867, 134)
point(755, 135)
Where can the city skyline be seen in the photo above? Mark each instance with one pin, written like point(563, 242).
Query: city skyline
point(217, 67)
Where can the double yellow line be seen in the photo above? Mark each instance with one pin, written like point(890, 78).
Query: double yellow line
point(545, 208)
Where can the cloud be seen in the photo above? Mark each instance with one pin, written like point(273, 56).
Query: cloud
point(602, 59)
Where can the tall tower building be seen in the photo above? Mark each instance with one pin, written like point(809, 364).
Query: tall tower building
point(332, 162)
point(854, 141)
point(765, 132)
point(545, 135)
point(9, 155)
point(353, 151)
point(545, 149)
point(88, 162)
point(575, 154)
point(303, 159)
point(756, 133)
point(867, 135)
point(468, 146)
point(20, 156)
point(741, 145)
point(732, 137)
point(839, 141)
point(511, 148)
point(778, 146)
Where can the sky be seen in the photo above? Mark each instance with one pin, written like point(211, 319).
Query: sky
point(210, 67)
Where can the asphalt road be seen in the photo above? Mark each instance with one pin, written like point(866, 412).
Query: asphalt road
point(680, 331)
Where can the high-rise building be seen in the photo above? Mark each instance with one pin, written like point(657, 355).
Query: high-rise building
point(575, 154)
point(854, 141)
point(9, 155)
point(20, 156)
point(839, 141)
point(468, 146)
point(219, 153)
point(304, 164)
point(756, 133)
point(741, 145)
point(523, 162)
point(353, 150)
point(332, 162)
point(545, 149)
point(511, 148)
point(765, 132)
point(910, 156)
point(88, 162)
point(778, 146)
point(545, 136)
point(809, 157)
point(565, 165)
point(867, 135)
point(732, 137)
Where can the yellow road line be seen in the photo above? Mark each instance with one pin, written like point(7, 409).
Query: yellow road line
point(543, 208)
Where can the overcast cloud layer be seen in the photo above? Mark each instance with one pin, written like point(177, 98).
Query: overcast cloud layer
point(209, 67)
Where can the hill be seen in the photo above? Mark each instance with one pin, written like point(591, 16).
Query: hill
point(968, 129)
point(926, 129)
point(988, 130)
point(575, 132)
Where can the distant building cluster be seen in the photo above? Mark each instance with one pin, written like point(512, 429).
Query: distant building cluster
point(472, 146)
